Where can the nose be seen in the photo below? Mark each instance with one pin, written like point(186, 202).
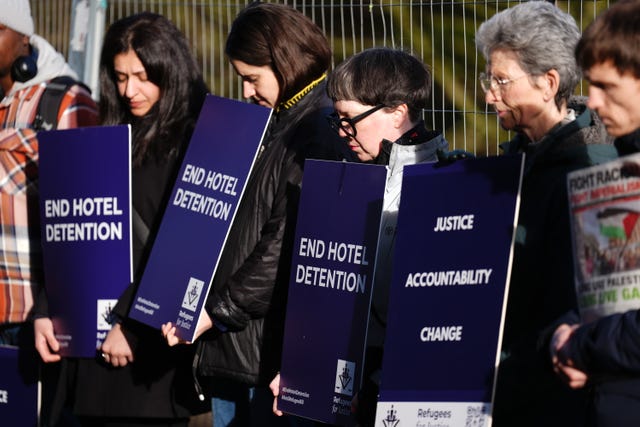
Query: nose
point(595, 100)
point(342, 133)
point(130, 89)
point(490, 96)
point(248, 90)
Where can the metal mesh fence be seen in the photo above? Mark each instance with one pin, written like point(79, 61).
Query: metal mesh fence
point(441, 33)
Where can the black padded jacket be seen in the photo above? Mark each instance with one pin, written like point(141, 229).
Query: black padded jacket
point(248, 296)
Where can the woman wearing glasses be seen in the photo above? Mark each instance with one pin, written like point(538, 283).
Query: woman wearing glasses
point(531, 75)
point(284, 70)
point(378, 96)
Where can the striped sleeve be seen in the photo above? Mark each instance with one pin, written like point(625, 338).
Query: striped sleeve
point(77, 109)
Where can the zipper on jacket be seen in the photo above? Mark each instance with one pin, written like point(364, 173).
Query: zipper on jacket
point(194, 371)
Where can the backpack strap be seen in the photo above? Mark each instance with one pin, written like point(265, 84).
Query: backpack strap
point(47, 114)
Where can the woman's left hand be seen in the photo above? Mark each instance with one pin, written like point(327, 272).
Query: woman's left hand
point(169, 333)
point(115, 348)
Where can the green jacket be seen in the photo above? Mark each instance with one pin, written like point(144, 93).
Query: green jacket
point(542, 288)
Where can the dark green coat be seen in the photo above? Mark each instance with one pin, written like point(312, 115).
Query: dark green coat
point(542, 288)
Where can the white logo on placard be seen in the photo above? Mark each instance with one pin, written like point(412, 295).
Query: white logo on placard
point(105, 316)
point(192, 294)
point(345, 372)
point(4, 396)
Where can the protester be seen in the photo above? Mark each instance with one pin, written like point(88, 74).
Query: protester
point(605, 354)
point(30, 67)
point(531, 75)
point(283, 69)
point(378, 96)
point(383, 91)
point(38, 91)
point(150, 80)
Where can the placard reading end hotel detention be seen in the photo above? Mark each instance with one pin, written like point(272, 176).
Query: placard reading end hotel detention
point(199, 214)
point(85, 199)
point(330, 289)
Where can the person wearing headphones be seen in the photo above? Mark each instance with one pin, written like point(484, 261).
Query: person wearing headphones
point(38, 91)
point(29, 66)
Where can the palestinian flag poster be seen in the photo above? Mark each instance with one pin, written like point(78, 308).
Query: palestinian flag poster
point(605, 215)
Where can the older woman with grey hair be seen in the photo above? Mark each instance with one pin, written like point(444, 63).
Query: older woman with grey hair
point(530, 76)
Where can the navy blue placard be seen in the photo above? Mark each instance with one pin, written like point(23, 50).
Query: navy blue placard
point(85, 199)
point(330, 289)
point(18, 387)
point(452, 263)
point(203, 203)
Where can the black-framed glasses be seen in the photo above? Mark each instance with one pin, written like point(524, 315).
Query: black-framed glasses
point(348, 125)
point(489, 82)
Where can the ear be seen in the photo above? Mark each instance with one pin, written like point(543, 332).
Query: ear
point(400, 115)
point(551, 84)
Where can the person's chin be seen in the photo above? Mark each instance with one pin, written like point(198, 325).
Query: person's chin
point(262, 103)
point(616, 131)
point(504, 119)
point(139, 112)
point(506, 125)
point(365, 158)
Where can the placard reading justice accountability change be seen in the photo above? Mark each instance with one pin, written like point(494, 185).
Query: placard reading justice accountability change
point(330, 289)
point(452, 264)
point(85, 199)
point(199, 214)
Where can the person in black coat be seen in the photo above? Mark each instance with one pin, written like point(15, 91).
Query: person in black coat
point(530, 78)
point(150, 80)
point(282, 58)
point(603, 356)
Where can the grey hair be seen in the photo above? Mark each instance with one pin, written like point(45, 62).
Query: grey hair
point(543, 38)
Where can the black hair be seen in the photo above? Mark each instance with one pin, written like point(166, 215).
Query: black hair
point(169, 64)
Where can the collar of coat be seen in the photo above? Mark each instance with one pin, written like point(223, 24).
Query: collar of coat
point(298, 96)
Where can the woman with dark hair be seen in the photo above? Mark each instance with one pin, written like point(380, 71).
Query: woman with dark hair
point(150, 80)
point(281, 68)
point(282, 58)
point(262, 35)
point(169, 64)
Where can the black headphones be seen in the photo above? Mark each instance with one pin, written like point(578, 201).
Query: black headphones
point(24, 68)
